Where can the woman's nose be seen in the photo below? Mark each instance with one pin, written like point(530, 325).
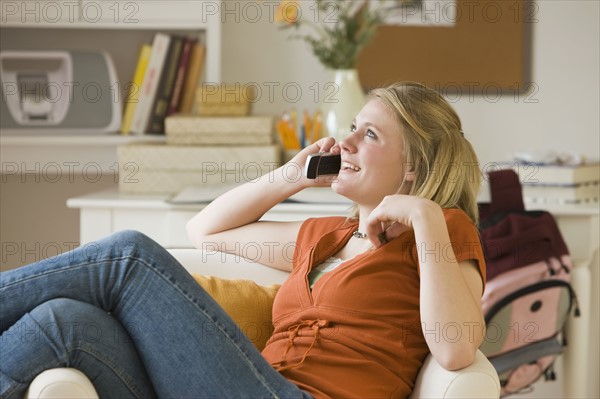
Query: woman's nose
point(347, 144)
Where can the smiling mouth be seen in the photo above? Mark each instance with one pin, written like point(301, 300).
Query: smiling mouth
point(349, 166)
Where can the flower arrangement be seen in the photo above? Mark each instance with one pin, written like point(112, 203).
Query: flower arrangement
point(340, 28)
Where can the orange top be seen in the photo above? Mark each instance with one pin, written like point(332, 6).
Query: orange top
point(358, 332)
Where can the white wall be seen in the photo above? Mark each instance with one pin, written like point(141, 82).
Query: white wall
point(561, 115)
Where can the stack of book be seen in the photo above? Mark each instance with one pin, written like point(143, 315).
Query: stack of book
point(201, 150)
point(559, 184)
point(154, 168)
point(164, 82)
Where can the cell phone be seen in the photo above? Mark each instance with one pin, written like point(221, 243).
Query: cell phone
point(322, 164)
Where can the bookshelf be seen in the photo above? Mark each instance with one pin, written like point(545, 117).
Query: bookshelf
point(117, 27)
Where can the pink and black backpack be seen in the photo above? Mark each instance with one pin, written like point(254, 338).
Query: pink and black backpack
point(528, 298)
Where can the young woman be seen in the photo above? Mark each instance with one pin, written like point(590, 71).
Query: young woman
point(367, 298)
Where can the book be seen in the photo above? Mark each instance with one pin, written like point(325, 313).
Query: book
point(161, 168)
point(165, 87)
point(192, 78)
point(193, 129)
point(159, 156)
point(225, 109)
point(531, 173)
point(173, 181)
point(141, 118)
point(224, 100)
point(225, 94)
point(176, 96)
point(567, 193)
point(135, 87)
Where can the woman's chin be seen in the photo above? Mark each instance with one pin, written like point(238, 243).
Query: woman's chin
point(337, 187)
point(341, 187)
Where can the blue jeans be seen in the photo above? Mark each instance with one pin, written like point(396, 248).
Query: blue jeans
point(128, 315)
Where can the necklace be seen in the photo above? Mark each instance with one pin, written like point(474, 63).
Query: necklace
point(358, 234)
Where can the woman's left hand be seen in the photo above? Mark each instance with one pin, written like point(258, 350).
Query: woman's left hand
point(396, 214)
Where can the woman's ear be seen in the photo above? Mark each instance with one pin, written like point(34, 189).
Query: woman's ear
point(409, 176)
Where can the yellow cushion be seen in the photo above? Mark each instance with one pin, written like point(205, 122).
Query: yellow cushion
point(246, 302)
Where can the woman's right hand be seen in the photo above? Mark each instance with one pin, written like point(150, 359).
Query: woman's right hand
point(298, 162)
point(231, 222)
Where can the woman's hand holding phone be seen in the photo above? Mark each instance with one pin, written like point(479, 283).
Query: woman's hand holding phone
point(325, 157)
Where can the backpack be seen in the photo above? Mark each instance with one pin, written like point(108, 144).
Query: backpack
point(528, 298)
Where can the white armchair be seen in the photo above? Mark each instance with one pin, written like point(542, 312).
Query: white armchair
point(479, 380)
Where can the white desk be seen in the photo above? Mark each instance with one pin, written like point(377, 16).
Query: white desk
point(106, 212)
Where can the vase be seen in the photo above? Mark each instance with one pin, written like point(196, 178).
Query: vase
point(344, 98)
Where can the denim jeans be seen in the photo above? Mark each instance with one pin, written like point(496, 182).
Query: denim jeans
point(127, 314)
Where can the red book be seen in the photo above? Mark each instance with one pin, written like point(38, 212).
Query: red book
point(181, 71)
point(165, 87)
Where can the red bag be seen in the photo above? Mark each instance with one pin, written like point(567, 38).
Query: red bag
point(513, 237)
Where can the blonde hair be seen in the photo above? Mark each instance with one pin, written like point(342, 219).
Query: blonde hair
point(444, 164)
